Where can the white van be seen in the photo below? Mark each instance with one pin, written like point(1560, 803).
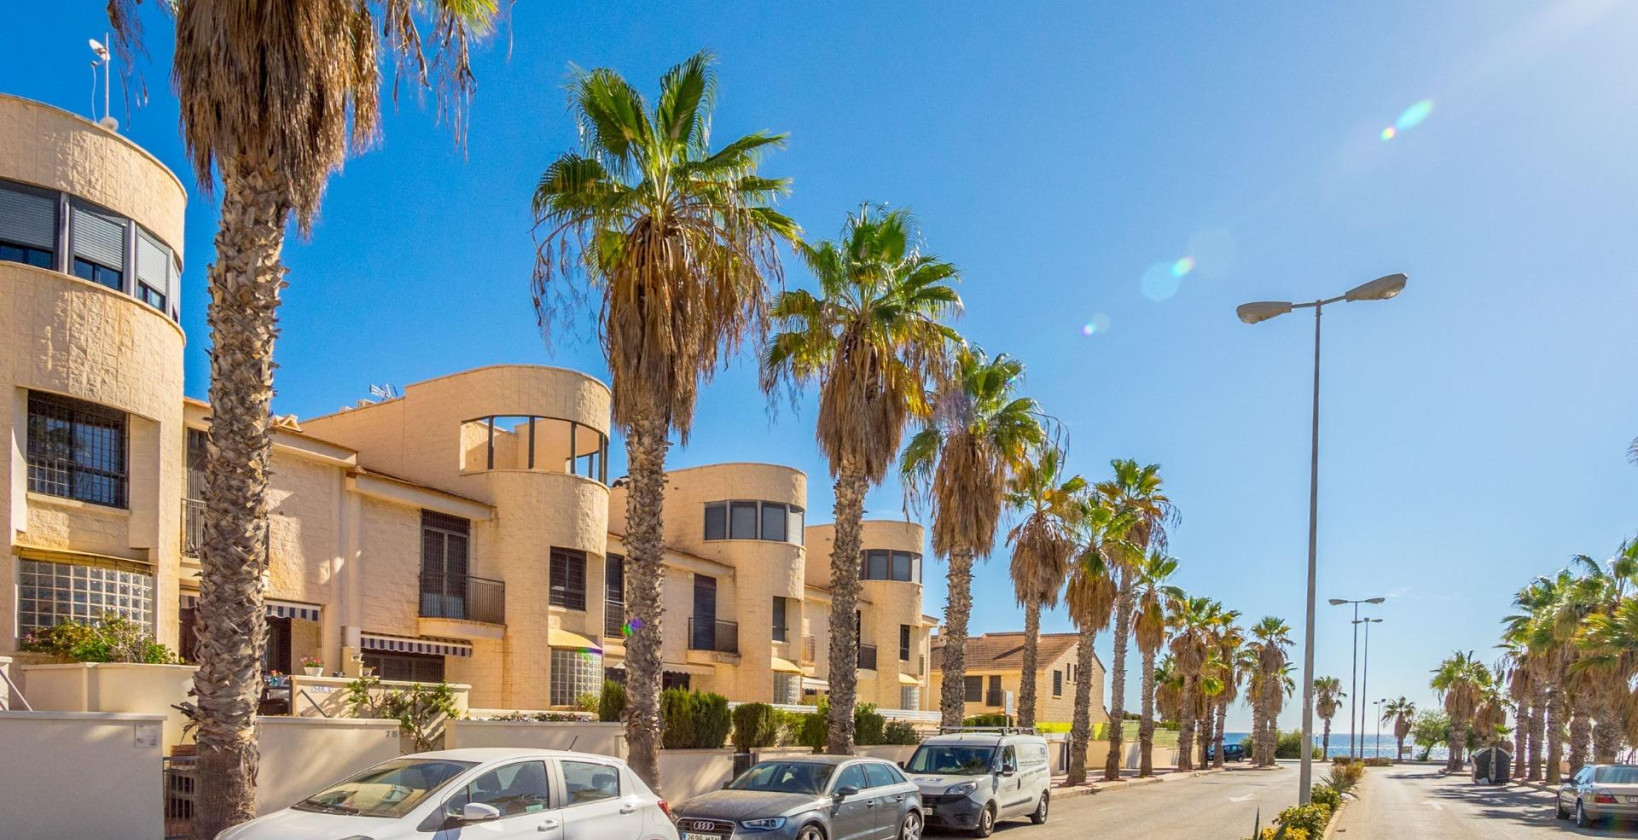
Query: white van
point(972, 777)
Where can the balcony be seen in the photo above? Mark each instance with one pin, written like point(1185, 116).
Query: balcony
point(867, 657)
point(464, 599)
point(717, 636)
point(809, 649)
point(614, 618)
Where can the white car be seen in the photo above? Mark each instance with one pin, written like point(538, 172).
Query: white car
point(476, 794)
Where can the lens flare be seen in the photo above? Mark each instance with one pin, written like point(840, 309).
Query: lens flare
point(1159, 283)
point(1182, 267)
point(1098, 324)
point(1414, 115)
point(1088, 329)
point(1212, 250)
point(1389, 133)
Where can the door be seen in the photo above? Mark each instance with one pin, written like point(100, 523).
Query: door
point(704, 630)
point(521, 792)
point(890, 793)
point(597, 802)
point(1009, 783)
point(853, 818)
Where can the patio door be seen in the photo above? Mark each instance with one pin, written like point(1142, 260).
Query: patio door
point(705, 613)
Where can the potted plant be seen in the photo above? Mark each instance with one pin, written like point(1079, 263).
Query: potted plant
point(313, 666)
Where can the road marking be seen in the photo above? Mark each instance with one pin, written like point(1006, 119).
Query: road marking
point(1434, 805)
point(1245, 798)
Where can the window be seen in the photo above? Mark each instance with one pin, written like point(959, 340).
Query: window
point(28, 226)
point(76, 450)
point(568, 574)
point(584, 782)
point(444, 557)
point(909, 697)
point(1009, 759)
point(753, 520)
point(881, 564)
point(904, 643)
point(975, 689)
point(406, 667)
point(1057, 683)
point(411, 780)
point(778, 619)
point(513, 790)
point(853, 776)
point(614, 595)
point(878, 775)
point(99, 245)
point(51, 593)
point(575, 673)
point(875, 565)
point(154, 270)
point(787, 688)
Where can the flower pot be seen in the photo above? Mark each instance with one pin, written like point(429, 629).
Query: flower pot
point(314, 670)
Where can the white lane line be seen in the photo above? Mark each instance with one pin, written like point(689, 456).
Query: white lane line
point(1248, 797)
point(1437, 806)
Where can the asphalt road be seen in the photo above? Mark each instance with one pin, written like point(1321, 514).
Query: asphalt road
point(1417, 802)
point(1218, 806)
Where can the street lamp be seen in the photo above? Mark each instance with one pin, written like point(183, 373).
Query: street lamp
point(1379, 705)
point(1365, 673)
point(1353, 700)
point(1381, 288)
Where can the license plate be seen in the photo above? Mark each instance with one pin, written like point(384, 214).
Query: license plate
point(1631, 799)
point(689, 835)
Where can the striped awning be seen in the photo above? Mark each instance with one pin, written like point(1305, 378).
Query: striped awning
point(275, 609)
point(415, 644)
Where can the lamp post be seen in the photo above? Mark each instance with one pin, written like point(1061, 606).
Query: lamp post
point(1353, 688)
point(1379, 705)
point(1365, 675)
point(1382, 288)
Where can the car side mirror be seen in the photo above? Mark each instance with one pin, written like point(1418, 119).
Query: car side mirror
point(902, 765)
point(476, 812)
point(844, 792)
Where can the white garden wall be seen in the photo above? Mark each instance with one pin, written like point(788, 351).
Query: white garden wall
point(600, 738)
point(685, 774)
point(301, 756)
point(80, 776)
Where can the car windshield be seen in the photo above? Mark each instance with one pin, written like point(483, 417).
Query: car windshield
point(951, 760)
point(1616, 775)
point(784, 777)
point(391, 789)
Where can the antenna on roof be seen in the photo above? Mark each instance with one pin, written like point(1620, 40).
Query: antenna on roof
point(106, 60)
point(384, 392)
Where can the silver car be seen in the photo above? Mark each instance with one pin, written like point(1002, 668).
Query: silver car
point(1599, 792)
point(821, 797)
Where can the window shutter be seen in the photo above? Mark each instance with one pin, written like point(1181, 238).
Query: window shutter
point(28, 218)
point(153, 263)
point(99, 237)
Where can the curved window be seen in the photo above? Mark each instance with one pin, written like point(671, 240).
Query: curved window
point(882, 564)
point(532, 442)
point(49, 229)
point(754, 520)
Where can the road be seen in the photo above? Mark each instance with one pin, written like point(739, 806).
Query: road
point(1217, 806)
point(1417, 802)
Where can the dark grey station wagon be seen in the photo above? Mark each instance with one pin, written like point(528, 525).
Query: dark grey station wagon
point(820, 797)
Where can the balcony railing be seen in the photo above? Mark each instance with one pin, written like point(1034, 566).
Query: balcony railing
point(193, 527)
point(867, 657)
point(469, 599)
point(614, 618)
point(719, 636)
point(808, 650)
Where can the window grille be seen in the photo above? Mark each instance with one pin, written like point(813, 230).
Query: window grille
point(76, 450)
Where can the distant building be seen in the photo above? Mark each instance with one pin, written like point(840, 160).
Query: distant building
point(995, 666)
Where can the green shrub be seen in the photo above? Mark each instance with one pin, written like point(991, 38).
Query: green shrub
point(677, 717)
point(790, 727)
point(867, 725)
point(1283, 833)
point(1344, 776)
point(111, 638)
point(1307, 818)
point(988, 720)
point(1380, 761)
point(755, 726)
point(611, 704)
point(586, 702)
point(814, 732)
point(1326, 795)
point(900, 733)
point(715, 721)
point(420, 710)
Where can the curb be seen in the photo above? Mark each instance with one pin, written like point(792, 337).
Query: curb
point(1336, 819)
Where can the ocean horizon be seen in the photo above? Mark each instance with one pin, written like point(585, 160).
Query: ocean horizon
point(1372, 746)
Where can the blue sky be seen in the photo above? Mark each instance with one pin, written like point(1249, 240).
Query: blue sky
point(1473, 428)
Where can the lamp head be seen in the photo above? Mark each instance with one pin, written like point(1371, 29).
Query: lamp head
point(1375, 600)
point(1337, 602)
point(99, 49)
point(1262, 310)
point(1381, 288)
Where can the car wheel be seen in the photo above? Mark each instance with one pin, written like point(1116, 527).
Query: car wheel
point(986, 821)
point(1581, 818)
point(1040, 814)
point(910, 829)
point(810, 832)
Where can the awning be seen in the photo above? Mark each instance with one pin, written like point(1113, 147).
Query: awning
point(559, 638)
point(906, 679)
point(83, 558)
point(414, 644)
point(812, 684)
point(785, 666)
point(275, 609)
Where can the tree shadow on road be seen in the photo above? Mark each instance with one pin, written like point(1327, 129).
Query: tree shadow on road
point(1521, 805)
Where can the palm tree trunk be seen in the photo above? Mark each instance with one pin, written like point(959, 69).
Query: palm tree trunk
point(1146, 714)
point(1222, 721)
point(1607, 734)
point(1080, 730)
point(844, 581)
point(1537, 731)
point(1271, 721)
point(1026, 682)
point(1557, 710)
point(244, 284)
point(1325, 739)
point(1204, 725)
point(1185, 726)
point(646, 445)
point(1117, 683)
point(958, 607)
point(1580, 730)
point(1458, 744)
point(1256, 703)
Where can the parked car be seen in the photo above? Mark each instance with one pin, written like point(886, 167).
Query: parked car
point(821, 797)
point(1231, 752)
point(972, 779)
point(502, 794)
point(1599, 792)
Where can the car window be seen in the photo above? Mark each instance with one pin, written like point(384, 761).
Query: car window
point(514, 789)
point(584, 781)
point(1616, 775)
point(880, 775)
point(852, 776)
point(1009, 759)
point(784, 777)
point(390, 789)
point(951, 759)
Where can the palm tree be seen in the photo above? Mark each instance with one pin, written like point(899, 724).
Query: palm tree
point(979, 433)
point(1538, 630)
point(1193, 620)
point(1402, 712)
point(1154, 601)
point(1168, 688)
point(1043, 543)
point(677, 242)
point(274, 97)
point(1271, 636)
point(1327, 700)
point(1514, 670)
point(1135, 496)
point(1090, 597)
point(1461, 681)
point(871, 338)
point(1233, 671)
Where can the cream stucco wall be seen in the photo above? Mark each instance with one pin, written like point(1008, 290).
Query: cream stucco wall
point(1048, 708)
point(885, 606)
point(63, 335)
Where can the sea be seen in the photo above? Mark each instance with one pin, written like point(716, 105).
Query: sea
point(1371, 746)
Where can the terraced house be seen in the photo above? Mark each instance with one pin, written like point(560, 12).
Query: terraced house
point(467, 530)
